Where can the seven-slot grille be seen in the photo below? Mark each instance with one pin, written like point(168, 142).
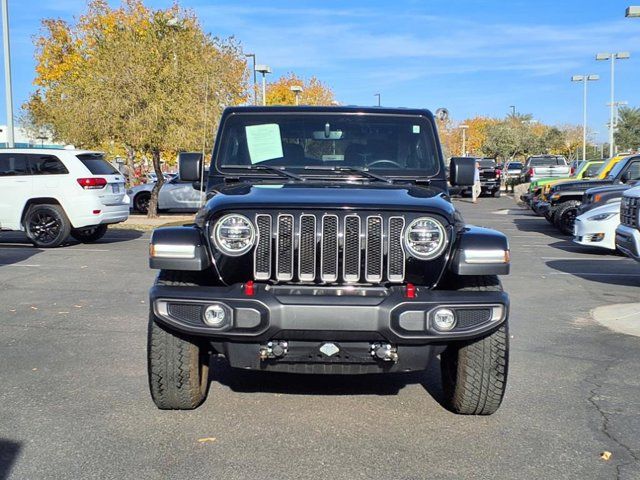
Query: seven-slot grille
point(329, 248)
point(629, 212)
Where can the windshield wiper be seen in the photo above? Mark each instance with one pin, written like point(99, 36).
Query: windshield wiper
point(268, 168)
point(362, 171)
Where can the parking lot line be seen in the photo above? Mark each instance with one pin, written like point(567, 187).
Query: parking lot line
point(596, 274)
point(18, 265)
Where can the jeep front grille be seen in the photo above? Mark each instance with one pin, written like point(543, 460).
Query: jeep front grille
point(629, 212)
point(329, 248)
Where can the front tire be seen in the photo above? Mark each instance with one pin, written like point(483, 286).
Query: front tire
point(141, 202)
point(565, 217)
point(178, 366)
point(47, 226)
point(89, 234)
point(496, 193)
point(474, 373)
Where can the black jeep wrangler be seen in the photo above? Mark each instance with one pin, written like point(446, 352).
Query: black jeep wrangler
point(329, 244)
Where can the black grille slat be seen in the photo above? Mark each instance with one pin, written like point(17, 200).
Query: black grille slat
point(329, 239)
point(396, 258)
point(374, 253)
point(190, 313)
point(629, 212)
point(262, 255)
point(307, 248)
point(468, 318)
point(284, 259)
point(352, 248)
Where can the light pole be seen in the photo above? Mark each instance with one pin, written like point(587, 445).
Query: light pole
point(377, 95)
point(7, 73)
point(255, 92)
point(297, 90)
point(263, 69)
point(464, 127)
point(584, 79)
point(513, 110)
point(613, 57)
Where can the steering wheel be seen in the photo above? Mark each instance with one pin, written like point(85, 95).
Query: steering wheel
point(385, 161)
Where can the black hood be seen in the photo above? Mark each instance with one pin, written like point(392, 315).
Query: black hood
point(580, 185)
point(330, 195)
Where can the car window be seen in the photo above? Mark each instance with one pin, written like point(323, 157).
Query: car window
point(13, 164)
point(46, 165)
point(515, 166)
point(545, 161)
point(633, 172)
point(487, 163)
point(96, 164)
point(593, 168)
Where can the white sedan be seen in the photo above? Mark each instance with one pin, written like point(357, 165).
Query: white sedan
point(597, 227)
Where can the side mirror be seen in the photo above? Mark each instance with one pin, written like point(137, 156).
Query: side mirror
point(462, 172)
point(190, 166)
point(625, 177)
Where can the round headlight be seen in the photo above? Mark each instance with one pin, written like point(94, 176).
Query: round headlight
point(425, 238)
point(234, 235)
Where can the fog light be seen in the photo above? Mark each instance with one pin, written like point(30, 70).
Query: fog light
point(444, 319)
point(215, 315)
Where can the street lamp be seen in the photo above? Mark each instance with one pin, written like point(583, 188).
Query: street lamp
point(297, 90)
point(632, 12)
point(7, 73)
point(263, 69)
point(377, 95)
point(464, 127)
point(255, 92)
point(613, 57)
point(584, 79)
point(513, 110)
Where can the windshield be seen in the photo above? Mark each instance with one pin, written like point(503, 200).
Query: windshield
point(616, 169)
point(514, 166)
point(394, 144)
point(487, 163)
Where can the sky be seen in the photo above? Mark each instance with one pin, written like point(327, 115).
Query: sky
point(473, 57)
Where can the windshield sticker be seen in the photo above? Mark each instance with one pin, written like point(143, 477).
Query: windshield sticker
point(416, 129)
point(264, 142)
point(332, 158)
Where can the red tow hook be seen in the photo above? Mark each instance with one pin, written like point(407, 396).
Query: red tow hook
point(249, 289)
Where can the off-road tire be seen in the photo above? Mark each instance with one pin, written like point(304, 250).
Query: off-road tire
point(141, 202)
point(496, 193)
point(474, 373)
point(561, 219)
point(89, 234)
point(178, 366)
point(46, 226)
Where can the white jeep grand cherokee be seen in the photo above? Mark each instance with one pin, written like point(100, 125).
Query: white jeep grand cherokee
point(51, 194)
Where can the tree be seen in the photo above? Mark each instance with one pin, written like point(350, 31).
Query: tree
point(475, 136)
point(149, 80)
point(627, 135)
point(314, 92)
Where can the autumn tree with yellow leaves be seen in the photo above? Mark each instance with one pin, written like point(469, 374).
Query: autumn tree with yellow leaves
point(314, 92)
point(148, 80)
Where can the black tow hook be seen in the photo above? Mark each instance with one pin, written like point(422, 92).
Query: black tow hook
point(274, 349)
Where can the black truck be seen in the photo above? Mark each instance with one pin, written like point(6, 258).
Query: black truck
point(490, 177)
point(564, 199)
point(329, 244)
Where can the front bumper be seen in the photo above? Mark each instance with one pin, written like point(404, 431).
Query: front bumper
point(543, 208)
point(329, 313)
point(628, 241)
point(595, 233)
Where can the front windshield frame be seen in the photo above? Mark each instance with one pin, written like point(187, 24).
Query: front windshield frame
point(429, 134)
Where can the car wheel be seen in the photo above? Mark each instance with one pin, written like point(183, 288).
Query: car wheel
point(474, 373)
point(89, 234)
point(177, 365)
point(47, 226)
point(565, 216)
point(141, 202)
point(496, 193)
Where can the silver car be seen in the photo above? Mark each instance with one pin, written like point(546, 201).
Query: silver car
point(174, 195)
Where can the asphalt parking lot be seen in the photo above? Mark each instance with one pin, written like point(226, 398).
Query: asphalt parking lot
point(74, 401)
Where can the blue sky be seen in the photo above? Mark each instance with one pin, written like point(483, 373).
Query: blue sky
point(473, 57)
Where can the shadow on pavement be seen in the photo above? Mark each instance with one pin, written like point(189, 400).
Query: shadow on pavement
point(538, 225)
point(15, 248)
point(300, 384)
point(612, 272)
point(9, 452)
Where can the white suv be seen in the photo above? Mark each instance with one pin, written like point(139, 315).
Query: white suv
point(51, 194)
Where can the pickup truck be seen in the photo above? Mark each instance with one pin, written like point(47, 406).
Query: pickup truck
point(598, 196)
point(544, 166)
point(490, 177)
point(565, 198)
point(628, 232)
